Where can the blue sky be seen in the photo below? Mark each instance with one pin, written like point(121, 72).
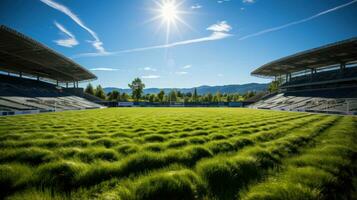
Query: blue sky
point(215, 42)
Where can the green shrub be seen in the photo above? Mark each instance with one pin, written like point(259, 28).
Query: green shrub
point(220, 147)
point(282, 191)
point(106, 142)
point(154, 138)
point(33, 156)
point(224, 176)
point(13, 177)
point(183, 185)
point(60, 175)
point(177, 143)
point(127, 148)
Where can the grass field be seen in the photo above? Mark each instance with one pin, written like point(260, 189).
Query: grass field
point(177, 153)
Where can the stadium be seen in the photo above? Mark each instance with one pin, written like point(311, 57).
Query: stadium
point(317, 80)
point(37, 79)
point(59, 142)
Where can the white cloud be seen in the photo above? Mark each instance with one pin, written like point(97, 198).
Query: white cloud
point(248, 1)
point(187, 67)
point(196, 6)
point(104, 69)
point(97, 44)
point(149, 69)
point(297, 22)
point(222, 1)
point(181, 73)
point(70, 41)
point(150, 77)
point(215, 35)
point(220, 75)
point(222, 26)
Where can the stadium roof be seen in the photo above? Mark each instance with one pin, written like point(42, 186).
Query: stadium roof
point(336, 53)
point(19, 53)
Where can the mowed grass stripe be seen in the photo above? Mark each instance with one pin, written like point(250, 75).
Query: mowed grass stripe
point(100, 156)
point(323, 171)
point(237, 170)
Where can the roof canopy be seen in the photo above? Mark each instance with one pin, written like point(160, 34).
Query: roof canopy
point(340, 52)
point(19, 53)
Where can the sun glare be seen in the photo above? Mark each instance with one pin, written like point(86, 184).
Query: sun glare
point(169, 12)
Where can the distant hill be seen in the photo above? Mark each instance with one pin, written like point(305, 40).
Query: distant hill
point(202, 89)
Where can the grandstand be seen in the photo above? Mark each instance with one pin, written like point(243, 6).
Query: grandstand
point(34, 78)
point(323, 79)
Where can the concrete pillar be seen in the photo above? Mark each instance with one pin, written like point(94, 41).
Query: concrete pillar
point(20, 74)
point(38, 78)
point(342, 66)
point(66, 84)
point(56, 82)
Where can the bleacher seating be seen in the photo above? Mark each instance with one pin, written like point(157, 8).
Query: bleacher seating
point(331, 75)
point(335, 100)
point(20, 94)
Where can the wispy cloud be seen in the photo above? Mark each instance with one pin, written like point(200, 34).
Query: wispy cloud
point(248, 1)
point(150, 77)
point(149, 69)
point(222, 26)
point(220, 75)
point(187, 67)
point(181, 73)
point(219, 32)
point(70, 41)
point(97, 43)
point(196, 6)
point(104, 69)
point(298, 21)
point(222, 1)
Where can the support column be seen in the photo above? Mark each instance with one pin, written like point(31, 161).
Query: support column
point(20, 74)
point(56, 82)
point(342, 66)
point(38, 78)
point(66, 84)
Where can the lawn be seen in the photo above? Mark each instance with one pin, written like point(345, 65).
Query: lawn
point(178, 153)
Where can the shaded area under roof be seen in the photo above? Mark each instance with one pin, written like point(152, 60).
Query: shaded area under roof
point(336, 53)
point(19, 53)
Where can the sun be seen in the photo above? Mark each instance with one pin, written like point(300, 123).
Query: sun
point(170, 15)
point(169, 12)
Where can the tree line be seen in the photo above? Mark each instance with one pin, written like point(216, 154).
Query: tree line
point(137, 95)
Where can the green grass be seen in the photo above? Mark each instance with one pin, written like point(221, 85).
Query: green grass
point(178, 153)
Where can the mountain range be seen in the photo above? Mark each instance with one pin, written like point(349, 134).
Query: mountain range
point(243, 88)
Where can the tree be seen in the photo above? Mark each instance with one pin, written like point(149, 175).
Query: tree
point(137, 88)
point(218, 97)
point(124, 97)
point(172, 96)
point(209, 97)
point(114, 95)
point(99, 92)
point(161, 96)
point(248, 95)
point(194, 96)
point(152, 98)
point(89, 89)
point(274, 85)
